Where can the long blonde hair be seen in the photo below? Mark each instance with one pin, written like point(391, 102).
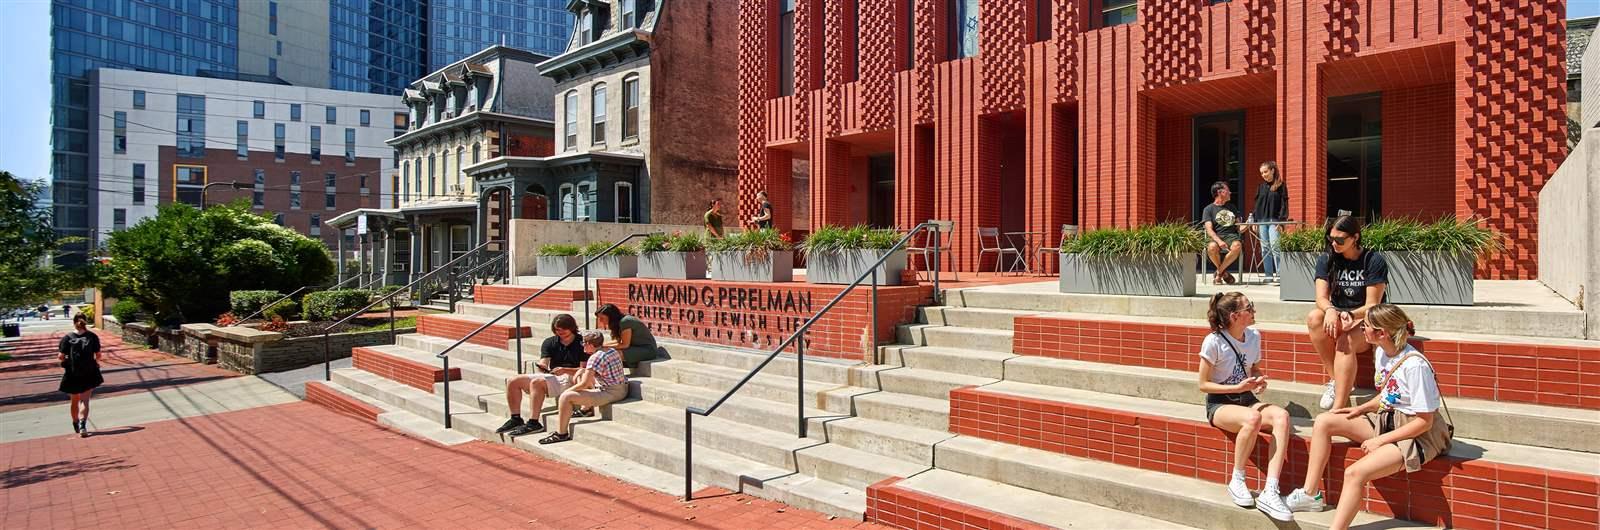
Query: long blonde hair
point(1392, 320)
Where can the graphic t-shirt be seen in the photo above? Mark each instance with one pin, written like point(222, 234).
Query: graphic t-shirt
point(1412, 389)
point(1349, 278)
point(1225, 368)
point(1222, 220)
point(564, 355)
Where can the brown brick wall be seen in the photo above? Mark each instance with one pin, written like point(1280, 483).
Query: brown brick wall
point(224, 165)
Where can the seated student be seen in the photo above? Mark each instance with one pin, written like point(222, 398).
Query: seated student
point(629, 335)
point(560, 357)
point(1349, 281)
point(1230, 376)
point(600, 382)
point(1222, 229)
point(1397, 428)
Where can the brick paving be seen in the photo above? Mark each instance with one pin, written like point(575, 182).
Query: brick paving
point(299, 465)
point(31, 377)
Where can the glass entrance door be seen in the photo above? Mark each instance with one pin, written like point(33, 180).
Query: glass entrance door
point(1355, 155)
point(1218, 156)
point(880, 199)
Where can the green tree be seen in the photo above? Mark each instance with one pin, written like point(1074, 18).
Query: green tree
point(27, 241)
point(182, 263)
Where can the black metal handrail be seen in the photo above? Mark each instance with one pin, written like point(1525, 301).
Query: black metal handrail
point(517, 310)
point(798, 339)
point(327, 332)
point(453, 289)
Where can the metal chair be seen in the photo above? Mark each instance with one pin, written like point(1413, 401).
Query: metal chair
point(1205, 259)
point(988, 235)
point(1067, 232)
point(920, 246)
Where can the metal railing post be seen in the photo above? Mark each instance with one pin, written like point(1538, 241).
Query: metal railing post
point(447, 392)
point(585, 290)
point(391, 320)
point(327, 357)
point(874, 309)
point(938, 296)
point(688, 455)
point(450, 287)
point(519, 340)
point(800, 386)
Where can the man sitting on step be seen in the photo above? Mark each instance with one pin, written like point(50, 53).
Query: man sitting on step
point(599, 383)
point(560, 357)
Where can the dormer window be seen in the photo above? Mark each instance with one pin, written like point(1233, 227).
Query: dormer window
point(593, 21)
point(630, 14)
point(585, 28)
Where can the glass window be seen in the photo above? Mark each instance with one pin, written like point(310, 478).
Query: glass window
point(432, 178)
point(1118, 12)
point(586, 201)
point(629, 12)
point(630, 107)
point(272, 66)
point(333, 114)
point(585, 28)
point(119, 219)
point(188, 184)
point(294, 178)
point(294, 199)
point(119, 140)
point(316, 143)
point(786, 49)
point(258, 193)
point(272, 19)
point(191, 135)
point(330, 181)
point(329, 200)
point(278, 141)
point(461, 172)
point(138, 99)
point(571, 112)
point(363, 183)
point(138, 183)
point(316, 225)
point(242, 148)
point(569, 203)
point(260, 108)
point(1041, 19)
point(963, 29)
point(294, 112)
point(624, 202)
point(366, 118)
point(908, 40)
point(405, 180)
point(597, 115)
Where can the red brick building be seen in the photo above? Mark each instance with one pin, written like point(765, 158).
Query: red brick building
point(1030, 114)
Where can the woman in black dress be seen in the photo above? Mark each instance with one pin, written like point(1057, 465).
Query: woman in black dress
point(80, 356)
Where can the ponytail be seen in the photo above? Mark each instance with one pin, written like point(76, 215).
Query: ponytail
point(1220, 311)
point(1392, 320)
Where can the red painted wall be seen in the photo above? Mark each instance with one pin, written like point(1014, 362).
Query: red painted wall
point(1463, 104)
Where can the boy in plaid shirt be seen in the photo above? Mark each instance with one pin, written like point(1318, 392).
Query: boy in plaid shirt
point(600, 382)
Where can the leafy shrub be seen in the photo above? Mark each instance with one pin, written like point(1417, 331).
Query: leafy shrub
point(687, 242)
point(1163, 239)
point(560, 249)
point(597, 247)
point(334, 305)
point(287, 310)
point(126, 311)
point(759, 240)
point(88, 312)
point(246, 303)
point(655, 243)
point(1407, 235)
point(859, 237)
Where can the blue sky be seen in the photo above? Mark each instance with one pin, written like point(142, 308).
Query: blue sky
point(25, 113)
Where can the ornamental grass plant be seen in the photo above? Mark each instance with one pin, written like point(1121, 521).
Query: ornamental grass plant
point(756, 244)
point(677, 242)
point(599, 247)
point(560, 249)
point(1168, 239)
point(1447, 234)
point(859, 237)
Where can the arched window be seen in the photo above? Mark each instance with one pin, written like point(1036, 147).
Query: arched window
point(570, 109)
point(586, 201)
point(461, 171)
point(475, 153)
point(433, 176)
point(405, 180)
point(569, 202)
point(417, 174)
point(597, 115)
point(630, 107)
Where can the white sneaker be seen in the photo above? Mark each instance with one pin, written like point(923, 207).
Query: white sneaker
point(1241, 494)
point(1298, 501)
point(1327, 397)
point(1271, 504)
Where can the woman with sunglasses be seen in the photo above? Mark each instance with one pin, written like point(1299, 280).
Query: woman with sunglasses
point(1350, 281)
point(1230, 376)
point(1398, 429)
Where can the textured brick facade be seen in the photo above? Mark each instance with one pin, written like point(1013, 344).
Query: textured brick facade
point(509, 295)
point(401, 370)
point(896, 507)
point(446, 326)
point(319, 393)
point(1472, 109)
point(1450, 491)
point(1526, 373)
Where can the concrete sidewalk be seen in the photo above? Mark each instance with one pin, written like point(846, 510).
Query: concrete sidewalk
point(111, 413)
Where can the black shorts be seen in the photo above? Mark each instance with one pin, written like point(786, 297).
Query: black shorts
point(1216, 401)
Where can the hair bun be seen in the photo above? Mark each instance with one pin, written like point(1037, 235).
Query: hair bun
point(1411, 328)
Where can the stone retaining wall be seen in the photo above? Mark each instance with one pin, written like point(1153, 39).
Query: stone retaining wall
point(250, 351)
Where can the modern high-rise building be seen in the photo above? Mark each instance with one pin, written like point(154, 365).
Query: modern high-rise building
point(374, 46)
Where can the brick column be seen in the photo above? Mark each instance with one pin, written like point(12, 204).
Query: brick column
point(1302, 111)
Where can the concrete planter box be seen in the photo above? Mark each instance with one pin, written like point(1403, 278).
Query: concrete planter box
point(558, 265)
point(613, 267)
point(673, 265)
point(777, 266)
point(1417, 278)
point(1138, 276)
point(843, 267)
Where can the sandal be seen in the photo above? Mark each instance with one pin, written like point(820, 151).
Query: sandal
point(555, 438)
point(580, 412)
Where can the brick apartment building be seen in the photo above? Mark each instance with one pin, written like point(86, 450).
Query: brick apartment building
point(300, 155)
point(1030, 114)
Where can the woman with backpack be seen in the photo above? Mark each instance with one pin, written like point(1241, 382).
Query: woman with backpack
point(1230, 376)
point(1397, 429)
point(79, 353)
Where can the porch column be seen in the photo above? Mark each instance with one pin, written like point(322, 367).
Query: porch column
point(361, 259)
point(339, 256)
point(417, 233)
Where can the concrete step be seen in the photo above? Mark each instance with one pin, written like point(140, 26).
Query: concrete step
point(1464, 446)
point(471, 372)
point(893, 440)
point(747, 410)
point(925, 383)
point(970, 317)
point(771, 387)
point(538, 319)
point(990, 340)
point(440, 307)
point(401, 420)
point(1167, 497)
point(1026, 504)
point(1512, 423)
point(904, 409)
point(981, 363)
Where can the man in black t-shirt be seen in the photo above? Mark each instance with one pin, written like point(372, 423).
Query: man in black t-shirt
point(1222, 228)
point(560, 357)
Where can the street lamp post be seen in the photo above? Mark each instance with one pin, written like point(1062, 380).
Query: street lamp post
point(203, 189)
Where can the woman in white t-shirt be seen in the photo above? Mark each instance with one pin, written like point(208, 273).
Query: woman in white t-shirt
point(1230, 376)
point(1397, 429)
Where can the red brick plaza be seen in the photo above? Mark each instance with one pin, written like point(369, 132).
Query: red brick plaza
point(33, 375)
point(1051, 112)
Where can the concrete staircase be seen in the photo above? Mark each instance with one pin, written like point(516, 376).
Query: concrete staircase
point(950, 423)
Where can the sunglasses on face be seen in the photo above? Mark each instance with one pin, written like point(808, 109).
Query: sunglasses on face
point(1249, 308)
point(1339, 240)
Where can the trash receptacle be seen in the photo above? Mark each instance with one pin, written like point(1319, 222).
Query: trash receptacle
point(11, 330)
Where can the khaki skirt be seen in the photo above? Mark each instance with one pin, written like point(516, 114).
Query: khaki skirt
point(1417, 451)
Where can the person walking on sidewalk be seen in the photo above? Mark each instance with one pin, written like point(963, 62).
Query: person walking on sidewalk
point(1350, 280)
point(1397, 429)
point(79, 353)
point(600, 382)
point(1230, 376)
